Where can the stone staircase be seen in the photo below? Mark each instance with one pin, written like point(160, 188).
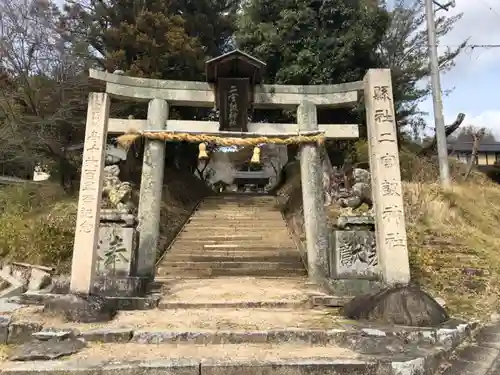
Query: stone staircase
point(233, 235)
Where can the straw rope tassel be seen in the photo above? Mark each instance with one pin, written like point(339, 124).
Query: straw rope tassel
point(202, 155)
point(256, 156)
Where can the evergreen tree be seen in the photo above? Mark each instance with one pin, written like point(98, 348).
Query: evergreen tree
point(141, 38)
point(312, 41)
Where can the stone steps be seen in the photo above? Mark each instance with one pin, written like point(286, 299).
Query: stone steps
point(233, 236)
point(223, 272)
point(186, 359)
point(231, 264)
point(236, 224)
point(234, 253)
point(229, 257)
point(235, 246)
point(218, 236)
point(263, 230)
point(234, 219)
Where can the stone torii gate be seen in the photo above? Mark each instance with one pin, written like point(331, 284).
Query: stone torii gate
point(232, 67)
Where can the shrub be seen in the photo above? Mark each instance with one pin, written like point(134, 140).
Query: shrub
point(37, 224)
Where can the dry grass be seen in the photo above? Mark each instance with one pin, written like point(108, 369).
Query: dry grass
point(454, 245)
point(37, 224)
point(452, 236)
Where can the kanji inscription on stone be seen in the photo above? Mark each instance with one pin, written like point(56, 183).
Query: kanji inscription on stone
point(386, 177)
point(87, 222)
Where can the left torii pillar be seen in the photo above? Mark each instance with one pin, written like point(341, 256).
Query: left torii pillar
point(83, 267)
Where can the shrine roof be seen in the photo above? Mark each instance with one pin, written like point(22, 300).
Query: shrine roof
point(235, 64)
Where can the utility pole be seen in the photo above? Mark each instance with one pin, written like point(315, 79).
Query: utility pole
point(442, 147)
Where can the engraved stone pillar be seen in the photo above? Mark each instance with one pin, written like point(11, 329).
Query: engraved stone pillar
point(87, 223)
point(316, 228)
point(151, 191)
point(386, 178)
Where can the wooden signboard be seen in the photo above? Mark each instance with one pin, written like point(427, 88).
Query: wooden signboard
point(233, 103)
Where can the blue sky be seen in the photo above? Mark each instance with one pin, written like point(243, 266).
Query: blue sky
point(476, 78)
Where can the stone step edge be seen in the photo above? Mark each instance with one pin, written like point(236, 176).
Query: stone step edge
point(15, 333)
point(154, 300)
point(214, 366)
point(173, 305)
point(421, 364)
point(428, 363)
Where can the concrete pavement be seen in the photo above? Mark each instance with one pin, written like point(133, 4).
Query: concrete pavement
point(481, 356)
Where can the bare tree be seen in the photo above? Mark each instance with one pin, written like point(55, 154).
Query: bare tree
point(404, 50)
point(42, 85)
point(477, 135)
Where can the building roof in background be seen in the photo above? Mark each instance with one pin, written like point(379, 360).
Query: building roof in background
point(467, 147)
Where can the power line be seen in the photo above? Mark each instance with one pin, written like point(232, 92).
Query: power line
point(471, 47)
point(490, 8)
point(484, 46)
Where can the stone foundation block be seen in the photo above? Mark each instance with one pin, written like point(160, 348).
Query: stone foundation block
point(116, 249)
point(354, 255)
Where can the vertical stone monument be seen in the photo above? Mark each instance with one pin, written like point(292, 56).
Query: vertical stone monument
point(387, 191)
point(83, 267)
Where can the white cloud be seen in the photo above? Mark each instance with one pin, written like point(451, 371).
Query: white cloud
point(480, 24)
point(489, 119)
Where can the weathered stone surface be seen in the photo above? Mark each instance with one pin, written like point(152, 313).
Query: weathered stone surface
point(108, 335)
point(382, 345)
point(344, 222)
point(117, 194)
point(7, 305)
point(81, 308)
point(83, 265)
point(4, 329)
point(315, 223)
point(151, 190)
point(55, 334)
point(15, 287)
point(290, 367)
point(39, 279)
point(355, 255)
point(111, 215)
point(392, 246)
point(46, 350)
point(120, 286)
point(21, 332)
point(404, 305)
point(136, 303)
point(116, 248)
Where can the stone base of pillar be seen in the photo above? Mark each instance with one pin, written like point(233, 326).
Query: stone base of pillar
point(353, 258)
point(117, 257)
point(117, 247)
